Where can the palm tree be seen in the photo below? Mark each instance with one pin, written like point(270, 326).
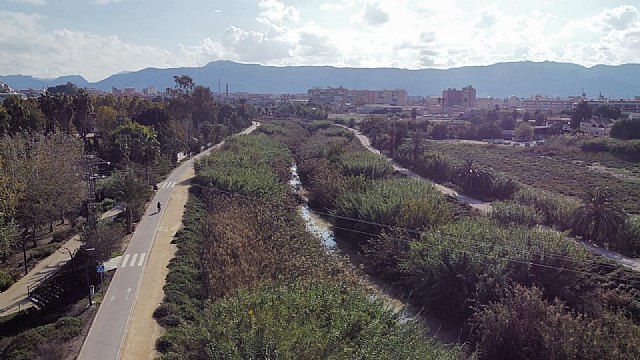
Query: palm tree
point(599, 218)
point(64, 111)
point(82, 109)
point(150, 148)
point(48, 108)
point(473, 180)
point(127, 189)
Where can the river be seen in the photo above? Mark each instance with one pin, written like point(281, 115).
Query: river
point(392, 295)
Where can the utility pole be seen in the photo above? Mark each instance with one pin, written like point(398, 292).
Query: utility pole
point(90, 164)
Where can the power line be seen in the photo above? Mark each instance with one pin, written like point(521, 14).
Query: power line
point(440, 246)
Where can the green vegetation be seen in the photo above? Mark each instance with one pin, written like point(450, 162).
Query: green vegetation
point(458, 266)
point(523, 325)
point(46, 341)
point(250, 281)
point(303, 321)
point(364, 163)
point(405, 203)
point(626, 129)
point(509, 213)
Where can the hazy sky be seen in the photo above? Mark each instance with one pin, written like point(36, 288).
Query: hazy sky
point(96, 38)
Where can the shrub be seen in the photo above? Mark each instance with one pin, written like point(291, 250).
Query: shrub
point(315, 125)
point(364, 163)
point(512, 213)
point(524, 326)
point(6, 280)
point(556, 209)
point(42, 252)
point(302, 321)
point(458, 266)
point(105, 205)
point(629, 240)
point(435, 166)
point(504, 188)
point(27, 344)
point(324, 183)
point(626, 129)
point(336, 131)
point(385, 253)
point(61, 235)
point(406, 203)
point(473, 180)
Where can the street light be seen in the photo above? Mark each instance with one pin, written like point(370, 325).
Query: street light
point(86, 273)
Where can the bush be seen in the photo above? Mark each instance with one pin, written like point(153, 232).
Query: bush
point(630, 237)
point(504, 188)
point(6, 280)
point(336, 131)
point(61, 235)
point(456, 267)
point(435, 167)
point(42, 252)
point(556, 209)
point(406, 203)
point(627, 149)
point(323, 182)
point(105, 205)
point(513, 213)
point(364, 163)
point(28, 344)
point(302, 321)
point(626, 129)
point(524, 326)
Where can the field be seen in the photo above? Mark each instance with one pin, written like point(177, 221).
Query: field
point(570, 173)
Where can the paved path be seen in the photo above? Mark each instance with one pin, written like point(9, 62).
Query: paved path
point(107, 335)
point(16, 298)
point(485, 207)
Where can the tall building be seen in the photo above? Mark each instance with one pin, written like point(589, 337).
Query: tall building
point(341, 96)
point(464, 98)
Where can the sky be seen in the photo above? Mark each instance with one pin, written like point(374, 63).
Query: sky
point(98, 38)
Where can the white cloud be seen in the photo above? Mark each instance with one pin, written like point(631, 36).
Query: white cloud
point(26, 48)
point(276, 12)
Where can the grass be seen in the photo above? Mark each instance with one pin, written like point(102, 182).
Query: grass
point(545, 169)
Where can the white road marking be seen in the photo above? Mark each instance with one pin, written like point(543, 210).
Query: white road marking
point(124, 261)
point(141, 261)
point(133, 260)
point(128, 292)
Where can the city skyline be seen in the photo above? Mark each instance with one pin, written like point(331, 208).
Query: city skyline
point(95, 39)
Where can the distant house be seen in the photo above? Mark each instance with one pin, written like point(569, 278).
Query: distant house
point(596, 127)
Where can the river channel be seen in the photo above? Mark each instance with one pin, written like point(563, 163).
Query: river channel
point(322, 228)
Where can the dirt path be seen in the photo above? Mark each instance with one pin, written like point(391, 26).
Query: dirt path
point(16, 298)
point(143, 331)
point(483, 206)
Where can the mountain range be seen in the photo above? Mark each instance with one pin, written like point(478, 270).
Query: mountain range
point(498, 80)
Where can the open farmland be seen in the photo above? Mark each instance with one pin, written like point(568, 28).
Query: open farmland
point(551, 170)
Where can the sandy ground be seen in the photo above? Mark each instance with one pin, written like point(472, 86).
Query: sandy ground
point(143, 329)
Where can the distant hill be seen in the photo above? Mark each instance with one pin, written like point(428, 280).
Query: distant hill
point(23, 82)
point(498, 80)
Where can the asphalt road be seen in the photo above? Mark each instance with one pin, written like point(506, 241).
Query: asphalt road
point(107, 333)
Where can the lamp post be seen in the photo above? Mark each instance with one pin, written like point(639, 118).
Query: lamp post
point(86, 273)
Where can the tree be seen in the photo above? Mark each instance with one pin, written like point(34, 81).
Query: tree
point(104, 239)
point(21, 116)
point(439, 132)
point(48, 108)
point(541, 119)
point(627, 129)
point(599, 218)
point(507, 123)
point(43, 177)
point(129, 190)
point(150, 149)
point(582, 112)
point(82, 107)
point(184, 84)
point(106, 119)
point(9, 235)
point(608, 112)
point(523, 132)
